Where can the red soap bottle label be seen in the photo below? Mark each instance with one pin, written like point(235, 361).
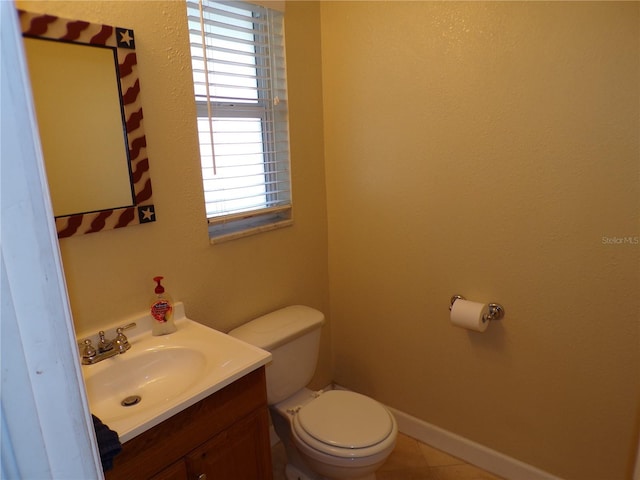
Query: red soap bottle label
point(161, 311)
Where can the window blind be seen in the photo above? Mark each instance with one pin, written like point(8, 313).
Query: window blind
point(239, 76)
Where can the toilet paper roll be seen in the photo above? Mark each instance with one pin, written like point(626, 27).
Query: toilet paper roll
point(470, 315)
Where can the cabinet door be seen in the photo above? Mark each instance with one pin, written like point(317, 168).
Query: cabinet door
point(239, 453)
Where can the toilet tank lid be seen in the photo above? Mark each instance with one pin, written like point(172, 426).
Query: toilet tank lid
point(273, 329)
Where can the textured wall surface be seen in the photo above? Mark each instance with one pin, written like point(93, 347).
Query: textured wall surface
point(489, 149)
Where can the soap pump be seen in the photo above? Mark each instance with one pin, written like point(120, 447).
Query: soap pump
point(161, 310)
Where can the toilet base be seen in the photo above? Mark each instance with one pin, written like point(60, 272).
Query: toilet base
point(293, 473)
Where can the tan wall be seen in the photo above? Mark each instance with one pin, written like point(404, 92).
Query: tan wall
point(486, 148)
point(109, 274)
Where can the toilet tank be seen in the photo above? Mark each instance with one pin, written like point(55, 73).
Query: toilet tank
point(292, 335)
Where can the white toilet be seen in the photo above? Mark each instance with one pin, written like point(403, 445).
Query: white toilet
point(334, 434)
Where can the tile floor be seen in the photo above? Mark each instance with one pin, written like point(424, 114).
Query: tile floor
point(411, 460)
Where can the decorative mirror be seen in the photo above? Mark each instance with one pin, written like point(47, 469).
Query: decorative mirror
point(87, 98)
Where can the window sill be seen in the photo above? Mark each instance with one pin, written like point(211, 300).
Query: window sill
point(221, 235)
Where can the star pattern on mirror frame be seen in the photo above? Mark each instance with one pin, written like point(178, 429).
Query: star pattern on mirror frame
point(124, 38)
point(147, 214)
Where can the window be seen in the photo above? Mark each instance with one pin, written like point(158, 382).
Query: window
point(237, 52)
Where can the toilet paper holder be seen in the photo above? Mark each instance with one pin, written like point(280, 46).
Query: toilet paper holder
point(496, 311)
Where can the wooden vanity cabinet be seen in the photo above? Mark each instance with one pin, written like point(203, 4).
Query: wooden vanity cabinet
point(225, 437)
point(177, 471)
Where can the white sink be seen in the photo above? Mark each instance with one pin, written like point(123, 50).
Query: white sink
point(161, 376)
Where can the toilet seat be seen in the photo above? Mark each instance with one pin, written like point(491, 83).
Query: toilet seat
point(345, 424)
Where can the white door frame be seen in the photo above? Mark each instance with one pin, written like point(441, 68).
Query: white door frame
point(46, 428)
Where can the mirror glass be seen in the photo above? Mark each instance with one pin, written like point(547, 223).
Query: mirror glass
point(86, 94)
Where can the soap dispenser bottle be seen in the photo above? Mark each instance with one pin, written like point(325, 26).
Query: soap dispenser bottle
point(161, 310)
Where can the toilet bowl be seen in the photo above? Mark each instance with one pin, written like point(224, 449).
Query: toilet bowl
point(338, 434)
point(330, 435)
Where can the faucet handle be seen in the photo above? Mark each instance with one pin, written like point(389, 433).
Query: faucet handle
point(126, 327)
point(88, 352)
point(121, 342)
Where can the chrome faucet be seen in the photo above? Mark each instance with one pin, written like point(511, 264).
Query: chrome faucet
point(104, 345)
point(106, 348)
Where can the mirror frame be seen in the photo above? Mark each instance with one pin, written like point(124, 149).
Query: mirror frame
point(122, 41)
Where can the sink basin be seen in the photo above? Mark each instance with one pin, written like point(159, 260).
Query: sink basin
point(161, 376)
point(152, 377)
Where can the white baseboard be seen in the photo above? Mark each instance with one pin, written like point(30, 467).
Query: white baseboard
point(471, 452)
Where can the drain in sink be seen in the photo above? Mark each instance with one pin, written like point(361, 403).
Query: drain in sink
point(131, 400)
